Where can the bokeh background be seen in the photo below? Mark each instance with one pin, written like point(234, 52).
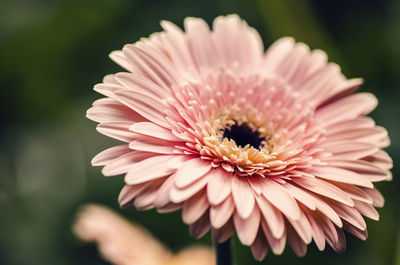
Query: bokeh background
point(53, 52)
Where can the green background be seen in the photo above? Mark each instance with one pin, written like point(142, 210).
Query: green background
point(53, 52)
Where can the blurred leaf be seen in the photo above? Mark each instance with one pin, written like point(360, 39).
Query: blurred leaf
point(397, 251)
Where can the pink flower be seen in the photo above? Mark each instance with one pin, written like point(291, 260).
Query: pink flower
point(274, 146)
point(124, 243)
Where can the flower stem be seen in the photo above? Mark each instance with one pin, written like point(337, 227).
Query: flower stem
point(224, 252)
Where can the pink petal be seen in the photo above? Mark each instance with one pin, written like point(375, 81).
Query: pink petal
point(340, 175)
point(146, 106)
point(151, 129)
point(300, 195)
point(242, 196)
point(296, 243)
point(107, 89)
point(119, 58)
point(291, 66)
point(349, 150)
point(351, 215)
point(178, 161)
point(366, 135)
point(191, 171)
point(219, 185)
point(280, 198)
point(200, 42)
point(124, 163)
point(162, 198)
point(170, 207)
point(154, 64)
point(141, 84)
point(340, 244)
point(247, 229)
point(347, 108)
point(272, 216)
point(354, 124)
point(318, 60)
point(221, 213)
point(176, 44)
point(236, 43)
point(376, 196)
point(225, 30)
point(110, 79)
point(364, 168)
point(109, 110)
point(276, 244)
point(328, 228)
point(149, 169)
point(194, 208)
point(302, 228)
point(321, 82)
point(200, 227)
point(324, 188)
point(178, 195)
point(117, 130)
point(129, 192)
point(357, 232)
point(354, 192)
point(224, 233)
point(110, 154)
point(255, 184)
point(380, 159)
point(345, 88)
point(327, 211)
point(317, 231)
point(153, 146)
point(259, 248)
point(277, 52)
point(144, 201)
point(366, 209)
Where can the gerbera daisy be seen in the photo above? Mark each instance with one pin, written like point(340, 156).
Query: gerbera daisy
point(274, 145)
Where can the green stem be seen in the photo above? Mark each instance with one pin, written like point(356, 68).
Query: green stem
point(224, 252)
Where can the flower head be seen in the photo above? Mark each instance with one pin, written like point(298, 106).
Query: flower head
point(274, 146)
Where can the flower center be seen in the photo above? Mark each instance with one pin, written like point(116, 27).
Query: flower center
point(243, 135)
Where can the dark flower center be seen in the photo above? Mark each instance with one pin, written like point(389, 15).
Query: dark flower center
point(243, 135)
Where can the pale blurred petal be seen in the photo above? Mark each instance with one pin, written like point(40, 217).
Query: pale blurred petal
point(119, 241)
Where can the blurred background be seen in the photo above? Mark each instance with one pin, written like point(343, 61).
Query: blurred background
point(52, 53)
